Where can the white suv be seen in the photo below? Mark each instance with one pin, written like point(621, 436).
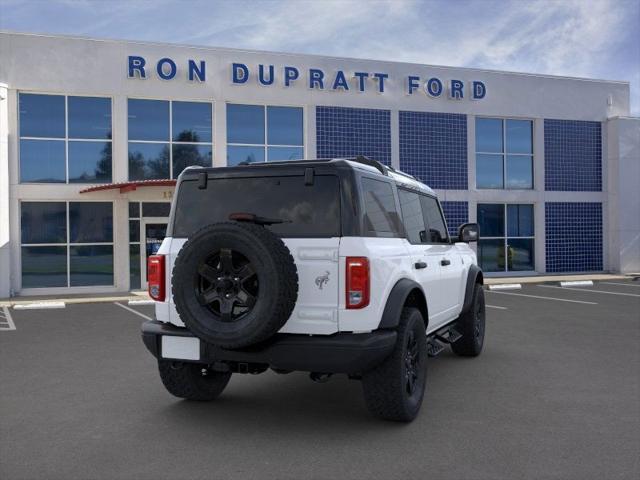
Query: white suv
point(325, 266)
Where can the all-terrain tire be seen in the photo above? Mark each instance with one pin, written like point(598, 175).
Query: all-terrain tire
point(192, 381)
point(386, 387)
point(276, 284)
point(471, 325)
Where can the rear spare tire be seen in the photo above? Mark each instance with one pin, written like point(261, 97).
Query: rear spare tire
point(234, 284)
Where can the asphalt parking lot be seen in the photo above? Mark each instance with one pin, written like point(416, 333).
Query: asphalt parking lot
point(555, 394)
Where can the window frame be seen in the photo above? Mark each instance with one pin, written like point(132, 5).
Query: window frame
point(67, 244)
point(169, 141)
point(504, 154)
point(66, 139)
point(266, 145)
point(506, 236)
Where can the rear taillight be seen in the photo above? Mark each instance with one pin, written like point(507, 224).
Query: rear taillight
point(357, 284)
point(155, 277)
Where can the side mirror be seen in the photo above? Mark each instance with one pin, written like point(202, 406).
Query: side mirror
point(469, 232)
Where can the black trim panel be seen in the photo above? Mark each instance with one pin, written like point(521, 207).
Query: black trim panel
point(339, 353)
point(474, 271)
point(396, 301)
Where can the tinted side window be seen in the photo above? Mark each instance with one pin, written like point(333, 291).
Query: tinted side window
point(412, 216)
point(437, 230)
point(380, 215)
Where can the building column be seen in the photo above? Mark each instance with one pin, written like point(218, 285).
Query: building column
point(540, 243)
point(623, 196)
point(5, 243)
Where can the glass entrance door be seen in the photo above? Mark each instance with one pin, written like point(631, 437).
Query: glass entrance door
point(153, 232)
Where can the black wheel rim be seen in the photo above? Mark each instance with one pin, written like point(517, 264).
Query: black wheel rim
point(227, 285)
point(412, 363)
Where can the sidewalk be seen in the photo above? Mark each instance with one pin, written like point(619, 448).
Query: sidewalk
point(77, 298)
point(142, 295)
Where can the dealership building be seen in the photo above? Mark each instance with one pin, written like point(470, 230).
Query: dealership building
point(93, 134)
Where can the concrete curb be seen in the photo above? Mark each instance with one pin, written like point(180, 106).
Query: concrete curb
point(71, 301)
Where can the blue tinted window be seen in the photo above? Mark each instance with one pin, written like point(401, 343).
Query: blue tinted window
point(520, 220)
point(245, 124)
point(185, 155)
point(89, 162)
point(134, 210)
point(148, 160)
point(519, 171)
point(89, 117)
point(156, 209)
point(44, 267)
point(489, 171)
point(90, 222)
point(520, 254)
point(284, 126)
point(42, 161)
point(41, 115)
point(191, 122)
point(491, 220)
point(43, 222)
point(91, 265)
point(491, 255)
point(148, 120)
point(134, 266)
point(519, 136)
point(237, 154)
point(284, 153)
point(489, 135)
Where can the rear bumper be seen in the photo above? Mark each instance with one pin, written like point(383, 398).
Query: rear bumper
point(339, 353)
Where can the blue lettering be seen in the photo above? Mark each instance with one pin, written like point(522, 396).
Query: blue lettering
point(479, 90)
point(362, 77)
point(196, 72)
point(412, 84)
point(136, 64)
point(455, 90)
point(238, 77)
point(433, 87)
point(381, 77)
point(316, 77)
point(261, 79)
point(290, 74)
point(340, 81)
point(161, 71)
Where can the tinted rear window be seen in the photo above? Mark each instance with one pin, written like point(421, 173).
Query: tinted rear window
point(309, 210)
point(380, 217)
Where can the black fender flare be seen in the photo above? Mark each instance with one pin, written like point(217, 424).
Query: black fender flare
point(397, 299)
point(475, 276)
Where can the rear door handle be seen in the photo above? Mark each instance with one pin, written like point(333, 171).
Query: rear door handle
point(445, 262)
point(419, 265)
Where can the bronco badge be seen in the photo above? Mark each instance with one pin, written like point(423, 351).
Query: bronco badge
point(322, 280)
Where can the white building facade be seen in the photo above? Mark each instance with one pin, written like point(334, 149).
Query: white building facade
point(93, 134)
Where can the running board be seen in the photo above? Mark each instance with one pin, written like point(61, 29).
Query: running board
point(437, 341)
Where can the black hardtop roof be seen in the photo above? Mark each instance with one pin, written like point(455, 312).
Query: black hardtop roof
point(298, 167)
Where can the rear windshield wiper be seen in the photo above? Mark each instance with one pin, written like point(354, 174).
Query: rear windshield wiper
point(253, 218)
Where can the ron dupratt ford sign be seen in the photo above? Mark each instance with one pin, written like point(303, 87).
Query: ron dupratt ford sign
point(313, 78)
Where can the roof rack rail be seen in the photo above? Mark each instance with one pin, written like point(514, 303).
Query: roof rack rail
point(371, 162)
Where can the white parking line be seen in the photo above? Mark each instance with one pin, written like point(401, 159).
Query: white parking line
point(133, 311)
point(141, 302)
point(591, 290)
point(7, 323)
point(496, 306)
point(38, 305)
point(544, 298)
point(622, 284)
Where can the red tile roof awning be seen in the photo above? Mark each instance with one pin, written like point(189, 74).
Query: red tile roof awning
point(125, 187)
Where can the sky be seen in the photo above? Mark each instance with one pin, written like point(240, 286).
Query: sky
point(579, 38)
